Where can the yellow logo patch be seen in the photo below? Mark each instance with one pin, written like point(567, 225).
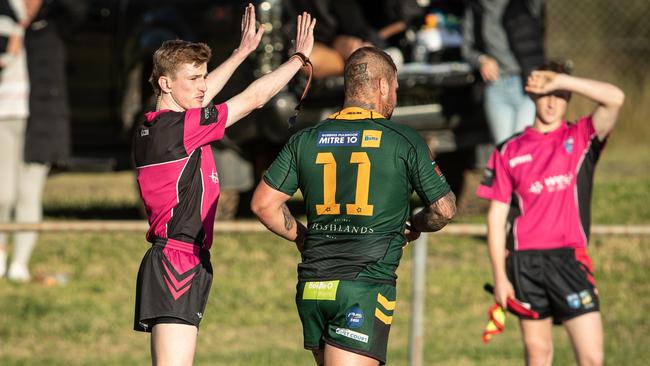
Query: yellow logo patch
point(371, 138)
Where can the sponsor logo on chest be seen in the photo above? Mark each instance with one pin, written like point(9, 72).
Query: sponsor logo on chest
point(521, 159)
point(553, 183)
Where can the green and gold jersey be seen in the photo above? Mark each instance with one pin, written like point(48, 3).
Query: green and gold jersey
point(356, 171)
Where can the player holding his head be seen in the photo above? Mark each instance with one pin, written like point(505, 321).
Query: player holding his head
point(179, 183)
point(539, 183)
point(356, 171)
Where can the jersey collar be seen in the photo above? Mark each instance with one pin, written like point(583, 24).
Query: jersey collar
point(533, 133)
point(355, 113)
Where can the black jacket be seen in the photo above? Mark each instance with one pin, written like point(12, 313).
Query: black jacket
point(47, 137)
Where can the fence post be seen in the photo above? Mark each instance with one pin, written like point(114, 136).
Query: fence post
point(419, 273)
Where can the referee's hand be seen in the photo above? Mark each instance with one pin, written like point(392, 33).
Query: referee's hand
point(502, 290)
point(249, 38)
point(305, 34)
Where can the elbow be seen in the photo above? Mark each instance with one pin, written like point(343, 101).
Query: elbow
point(618, 98)
point(450, 213)
point(257, 208)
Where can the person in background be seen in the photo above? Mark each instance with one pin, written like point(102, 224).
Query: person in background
point(345, 26)
point(539, 184)
point(19, 188)
point(504, 40)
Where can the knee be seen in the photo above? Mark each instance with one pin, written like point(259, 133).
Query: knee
point(594, 358)
point(539, 353)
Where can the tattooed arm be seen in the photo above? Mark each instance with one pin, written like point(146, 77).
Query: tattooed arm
point(437, 215)
point(269, 206)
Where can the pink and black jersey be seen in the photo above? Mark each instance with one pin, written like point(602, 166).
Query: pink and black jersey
point(547, 180)
point(176, 173)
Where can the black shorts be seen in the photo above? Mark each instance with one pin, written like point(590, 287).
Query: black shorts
point(555, 282)
point(173, 284)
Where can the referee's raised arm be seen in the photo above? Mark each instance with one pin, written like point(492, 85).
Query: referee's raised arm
point(264, 88)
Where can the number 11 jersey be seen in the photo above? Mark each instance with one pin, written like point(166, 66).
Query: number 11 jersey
point(356, 171)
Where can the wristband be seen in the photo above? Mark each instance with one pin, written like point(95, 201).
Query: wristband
point(305, 62)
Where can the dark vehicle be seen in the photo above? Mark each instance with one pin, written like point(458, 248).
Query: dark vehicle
point(110, 63)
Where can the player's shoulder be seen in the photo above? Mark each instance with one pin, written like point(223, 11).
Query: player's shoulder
point(305, 133)
point(399, 132)
point(511, 143)
point(161, 118)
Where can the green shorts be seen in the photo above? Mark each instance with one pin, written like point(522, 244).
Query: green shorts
point(351, 315)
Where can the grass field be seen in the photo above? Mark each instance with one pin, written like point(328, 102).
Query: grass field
point(251, 317)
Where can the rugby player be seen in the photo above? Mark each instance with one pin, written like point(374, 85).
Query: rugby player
point(539, 183)
point(356, 171)
point(179, 183)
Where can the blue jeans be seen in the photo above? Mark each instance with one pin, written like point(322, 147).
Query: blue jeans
point(508, 108)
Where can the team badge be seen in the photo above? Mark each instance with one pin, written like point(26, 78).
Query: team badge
point(436, 168)
point(586, 299)
point(371, 138)
point(568, 145)
point(209, 115)
point(573, 300)
point(355, 318)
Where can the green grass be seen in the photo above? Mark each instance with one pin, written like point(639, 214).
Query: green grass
point(251, 317)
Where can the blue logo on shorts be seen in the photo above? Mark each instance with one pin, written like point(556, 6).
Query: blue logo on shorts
point(573, 300)
point(354, 318)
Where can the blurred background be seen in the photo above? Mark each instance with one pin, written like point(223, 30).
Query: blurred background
point(78, 307)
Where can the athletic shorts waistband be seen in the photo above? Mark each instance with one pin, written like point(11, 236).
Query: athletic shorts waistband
point(570, 251)
point(181, 246)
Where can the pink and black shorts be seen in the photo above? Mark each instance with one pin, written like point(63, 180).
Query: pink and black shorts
point(173, 284)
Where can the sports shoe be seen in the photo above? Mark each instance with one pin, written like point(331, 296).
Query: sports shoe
point(18, 273)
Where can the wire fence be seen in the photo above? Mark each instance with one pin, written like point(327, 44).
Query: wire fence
point(609, 41)
point(600, 34)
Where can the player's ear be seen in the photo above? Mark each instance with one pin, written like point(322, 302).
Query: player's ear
point(164, 83)
point(384, 87)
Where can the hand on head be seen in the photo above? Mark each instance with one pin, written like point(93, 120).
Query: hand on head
point(249, 38)
point(305, 34)
point(541, 82)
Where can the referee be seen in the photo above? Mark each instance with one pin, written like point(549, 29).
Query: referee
point(179, 183)
point(539, 183)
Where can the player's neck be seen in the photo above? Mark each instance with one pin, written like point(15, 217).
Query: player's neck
point(546, 127)
point(167, 101)
point(367, 105)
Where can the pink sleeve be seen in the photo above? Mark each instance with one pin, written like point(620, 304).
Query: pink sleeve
point(496, 183)
point(204, 125)
point(585, 129)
